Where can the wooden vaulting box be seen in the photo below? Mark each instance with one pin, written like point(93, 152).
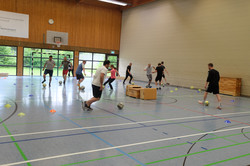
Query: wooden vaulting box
point(148, 94)
point(230, 86)
point(141, 93)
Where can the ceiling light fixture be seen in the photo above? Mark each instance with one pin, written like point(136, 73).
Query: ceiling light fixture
point(115, 2)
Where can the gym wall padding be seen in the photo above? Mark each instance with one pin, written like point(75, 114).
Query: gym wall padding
point(187, 35)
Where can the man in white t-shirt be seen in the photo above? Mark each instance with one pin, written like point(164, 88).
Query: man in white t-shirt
point(97, 85)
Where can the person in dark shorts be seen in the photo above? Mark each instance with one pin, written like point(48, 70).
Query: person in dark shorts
point(97, 85)
point(212, 85)
point(128, 73)
point(158, 78)
point(49, 64)
point(164, 70)
point(71, 69)
point(112, 77)
point(79, 75)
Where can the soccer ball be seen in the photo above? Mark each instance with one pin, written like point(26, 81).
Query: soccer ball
point(82, 87)
point(132, 83)
point(44, 85)
point(120, 105)
point(206, 103)
point(60, 83)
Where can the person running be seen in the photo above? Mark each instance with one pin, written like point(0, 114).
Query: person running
point(148, 69)
point(65, 64)
point(128, 73)
point(212, 85)
point(113, 77)
point(49, 64)
point(164, 70)
point(97, 85)
point(71, 69)
point(159, 70)
point(79, 75)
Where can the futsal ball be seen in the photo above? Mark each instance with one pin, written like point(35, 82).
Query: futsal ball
point(120, 106)
point(82, 87)
point(206, 103)
point(60, 82)
point(132, 83)
point(44, 85)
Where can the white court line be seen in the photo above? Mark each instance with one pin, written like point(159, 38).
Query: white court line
point(120, 146)
point(114, 125)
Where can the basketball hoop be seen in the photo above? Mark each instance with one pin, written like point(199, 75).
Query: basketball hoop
point(58, 44)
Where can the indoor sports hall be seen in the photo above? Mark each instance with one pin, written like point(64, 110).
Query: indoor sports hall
point(124, 83)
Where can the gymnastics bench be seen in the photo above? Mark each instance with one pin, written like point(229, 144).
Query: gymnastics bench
point(3, 74)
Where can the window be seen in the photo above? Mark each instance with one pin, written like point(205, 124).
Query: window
point(95, 60)
point(40, 56)
point(8, 60)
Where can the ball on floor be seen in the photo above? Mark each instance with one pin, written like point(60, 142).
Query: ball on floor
point(206, 103)
point(120, 105)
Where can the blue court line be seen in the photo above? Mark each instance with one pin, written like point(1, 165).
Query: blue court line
point(106, 142)
point(102, 131)
point(120, 116)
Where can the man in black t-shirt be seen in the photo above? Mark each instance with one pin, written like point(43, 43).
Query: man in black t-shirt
point(128, 73)
point(212, 84)
point(159, 69)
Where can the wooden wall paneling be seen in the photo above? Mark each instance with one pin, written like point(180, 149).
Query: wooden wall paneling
point(76, 60)
point(87, 25)
point(19, 61)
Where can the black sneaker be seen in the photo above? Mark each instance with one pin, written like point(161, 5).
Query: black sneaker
point(88, 107)
point(160, 88)
point(64, 82)
point(43, 81)
point(157, 88)
point(49, 85)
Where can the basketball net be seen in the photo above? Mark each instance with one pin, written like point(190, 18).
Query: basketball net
point(58, 44)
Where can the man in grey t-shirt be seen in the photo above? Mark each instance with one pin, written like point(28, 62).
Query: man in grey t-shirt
point(65, 64)
point(49, 64)
point(148, 69)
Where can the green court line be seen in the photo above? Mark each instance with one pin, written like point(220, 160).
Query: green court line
point(193, 128)
point(146, 150)
point(190, 154)
point(15, 143)
point(49, 121)
point(222, 161)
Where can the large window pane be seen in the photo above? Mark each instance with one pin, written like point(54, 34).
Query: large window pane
point(88, 64)
point(96, 65)
point(99, 57)
point(85, 56)
point(29, 51)
point(68, 54)
point(8, 69)
point(7, 50)
point(8, 60)
point(112, 58)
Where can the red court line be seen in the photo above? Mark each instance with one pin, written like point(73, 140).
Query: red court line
point(207, 114)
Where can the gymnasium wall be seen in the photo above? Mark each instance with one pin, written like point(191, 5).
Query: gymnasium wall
point(88, 26)
point(187, 35)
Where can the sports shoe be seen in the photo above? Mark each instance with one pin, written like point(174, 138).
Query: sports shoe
point(49, 84)
point(219, 108)
point(64, 82)
point(88, 107)
point(160, 88)
point(157, 88)
point(43, 81)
